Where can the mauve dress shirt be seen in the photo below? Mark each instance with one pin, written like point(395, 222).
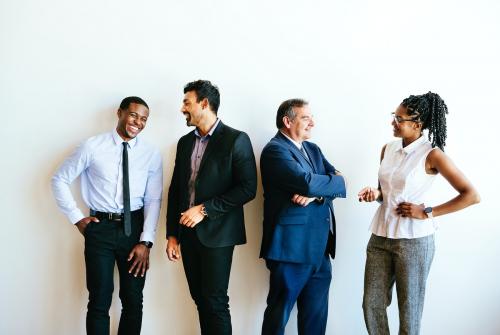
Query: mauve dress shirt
point(200, 145)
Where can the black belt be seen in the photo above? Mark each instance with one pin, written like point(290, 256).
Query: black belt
point(110, 216)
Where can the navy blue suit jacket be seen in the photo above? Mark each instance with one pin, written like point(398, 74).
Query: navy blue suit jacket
point(293, 233)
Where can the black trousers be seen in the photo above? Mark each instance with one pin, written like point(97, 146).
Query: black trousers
point(207, 271)
point(105, 245)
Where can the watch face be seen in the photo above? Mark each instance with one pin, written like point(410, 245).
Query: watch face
point(428, 210)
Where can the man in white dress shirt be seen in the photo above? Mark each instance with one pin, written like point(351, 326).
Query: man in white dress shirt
point(121, 184)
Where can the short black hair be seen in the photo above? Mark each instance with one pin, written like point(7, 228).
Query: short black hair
point(431, 110)
point(205, 89)
point(286, 109)
point(132, 100)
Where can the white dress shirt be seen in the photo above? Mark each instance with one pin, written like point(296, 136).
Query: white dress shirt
point(403, 178)
point(297, 144)
point(99, 162)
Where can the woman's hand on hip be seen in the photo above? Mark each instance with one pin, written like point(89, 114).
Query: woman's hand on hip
point(409, 210)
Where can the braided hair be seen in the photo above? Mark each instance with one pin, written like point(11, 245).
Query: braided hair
point(431, 110)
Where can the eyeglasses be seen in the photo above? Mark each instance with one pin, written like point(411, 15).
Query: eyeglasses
point(398, 119)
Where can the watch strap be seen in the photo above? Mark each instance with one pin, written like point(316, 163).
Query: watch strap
point(148, 244)
point(428, 212)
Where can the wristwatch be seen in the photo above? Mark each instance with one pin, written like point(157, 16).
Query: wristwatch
point(428, 212)
point(147, 244)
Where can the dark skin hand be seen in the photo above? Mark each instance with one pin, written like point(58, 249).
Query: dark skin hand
point(139, 254)
point(83, 223)
point(407, 209)
point(140, 257)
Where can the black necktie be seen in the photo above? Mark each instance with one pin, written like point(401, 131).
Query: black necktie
point(126, 191)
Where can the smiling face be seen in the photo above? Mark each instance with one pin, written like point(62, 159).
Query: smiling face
point(404, 125)
point(192, 109)
point(299, 129)
point(131, 121)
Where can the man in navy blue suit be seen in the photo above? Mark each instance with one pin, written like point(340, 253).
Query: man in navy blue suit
point(299, 225)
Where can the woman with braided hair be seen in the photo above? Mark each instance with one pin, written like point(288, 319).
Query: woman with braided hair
point(401, 247)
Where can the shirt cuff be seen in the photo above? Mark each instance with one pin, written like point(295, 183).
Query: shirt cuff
point(75, 216)
point(147, 236)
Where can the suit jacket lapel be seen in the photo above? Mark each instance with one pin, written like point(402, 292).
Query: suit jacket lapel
point(212, 144)
point(187, 151)
point(303, 160)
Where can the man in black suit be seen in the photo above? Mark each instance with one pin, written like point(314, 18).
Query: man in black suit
point(214, 176)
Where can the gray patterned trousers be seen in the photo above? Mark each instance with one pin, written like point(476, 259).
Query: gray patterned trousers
point(405, 262)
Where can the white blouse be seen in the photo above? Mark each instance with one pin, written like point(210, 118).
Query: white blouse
point(403, 178)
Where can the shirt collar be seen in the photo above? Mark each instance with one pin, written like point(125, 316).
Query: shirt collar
point(118, 140)
point(210, 132)
point(297, 144)
point(412, 146)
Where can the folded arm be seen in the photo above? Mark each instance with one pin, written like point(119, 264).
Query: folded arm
point(280, 167)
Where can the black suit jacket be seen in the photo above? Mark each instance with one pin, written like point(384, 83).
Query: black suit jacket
point(227, 179)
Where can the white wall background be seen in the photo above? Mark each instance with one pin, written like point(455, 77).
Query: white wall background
point(66, 65)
